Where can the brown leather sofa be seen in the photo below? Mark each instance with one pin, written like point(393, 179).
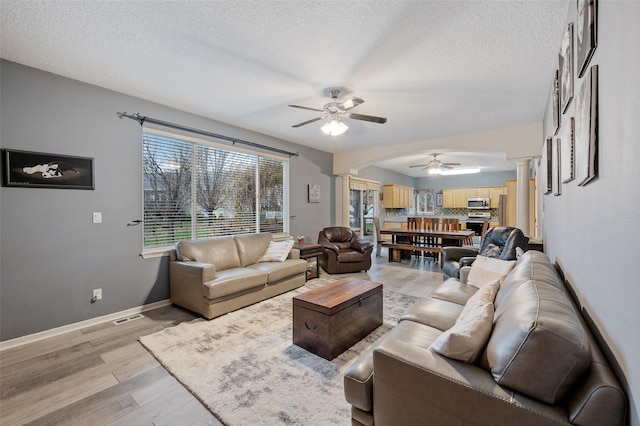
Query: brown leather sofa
point(540, 366)
point(343, 251)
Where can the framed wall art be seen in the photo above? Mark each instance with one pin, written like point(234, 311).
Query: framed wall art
point(43, 170)
point(556, 167)
point(547, 163)
point(555, 103)
point(586, 29)
point(313, 193)
point(566, 68)
point(567, 144)
point(586, 128)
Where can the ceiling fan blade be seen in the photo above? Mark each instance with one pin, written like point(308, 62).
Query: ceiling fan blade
point(371, 118)
point(420, 165)
point(304, 107)
point(352, 103)
point(444, 166)
point(307, 122)
point(451, 164)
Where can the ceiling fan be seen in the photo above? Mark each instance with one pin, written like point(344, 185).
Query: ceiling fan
point(435, 166)
point(337, 111)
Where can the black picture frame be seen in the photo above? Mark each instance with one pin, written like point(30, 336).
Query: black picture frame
point(567, 144)
point(557, 166)
point(555, 103)
point(586, 131)
point(565, 62)
point(547, 161)
point(586, 33)
point(28, 169)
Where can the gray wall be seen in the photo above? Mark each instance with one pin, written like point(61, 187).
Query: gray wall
point(592, 232)
point(51, 255)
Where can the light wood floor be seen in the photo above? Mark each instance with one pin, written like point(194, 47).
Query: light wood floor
point(101, 375)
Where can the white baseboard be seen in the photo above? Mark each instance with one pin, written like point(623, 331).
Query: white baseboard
point(30, 338)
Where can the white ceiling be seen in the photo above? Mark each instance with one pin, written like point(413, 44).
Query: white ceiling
point(433, 68)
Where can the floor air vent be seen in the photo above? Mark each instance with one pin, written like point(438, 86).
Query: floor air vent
point(127, 319)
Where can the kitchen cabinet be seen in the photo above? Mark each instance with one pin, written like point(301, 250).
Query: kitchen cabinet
point(397, 197)
point(456, 198)
point(494, 195)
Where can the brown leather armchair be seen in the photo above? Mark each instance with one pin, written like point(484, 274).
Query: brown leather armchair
point(343, 251)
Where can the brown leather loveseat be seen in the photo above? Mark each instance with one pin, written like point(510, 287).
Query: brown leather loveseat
point(343, 251)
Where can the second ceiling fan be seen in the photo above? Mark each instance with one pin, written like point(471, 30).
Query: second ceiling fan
point(337, 111)
point(435, 166)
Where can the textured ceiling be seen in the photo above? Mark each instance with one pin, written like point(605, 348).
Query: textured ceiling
point(433, 68)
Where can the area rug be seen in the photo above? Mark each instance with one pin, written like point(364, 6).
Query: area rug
point(245, 369)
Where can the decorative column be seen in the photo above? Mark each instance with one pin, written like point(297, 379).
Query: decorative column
point(522, 202)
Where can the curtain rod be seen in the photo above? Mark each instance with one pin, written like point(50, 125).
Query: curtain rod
point(142, 119)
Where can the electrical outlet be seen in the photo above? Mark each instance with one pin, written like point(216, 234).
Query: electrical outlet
point(97, 217)
point(97, 294)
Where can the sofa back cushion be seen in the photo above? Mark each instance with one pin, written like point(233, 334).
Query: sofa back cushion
point(538, 345)
point(251, 247)
point(220, 251)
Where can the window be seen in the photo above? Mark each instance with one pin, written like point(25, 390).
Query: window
point(195, 189)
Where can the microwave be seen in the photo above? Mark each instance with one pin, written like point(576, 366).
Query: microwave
point(478, 204)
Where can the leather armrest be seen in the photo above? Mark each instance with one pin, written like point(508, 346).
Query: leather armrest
point(198, 270)
point(294, 254)
point(466, 261)
point(331, 247)
point(361, 245)
point(456, 253)
point(464, 274)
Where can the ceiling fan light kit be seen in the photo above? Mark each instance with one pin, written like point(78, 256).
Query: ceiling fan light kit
point(337, 111)
point(335, 128)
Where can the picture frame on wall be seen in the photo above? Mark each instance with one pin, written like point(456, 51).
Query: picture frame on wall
point(313, 193)
point(565, 59)
point(555, 103)
point(547, 160)
point(556, 167)
point(586, 33)
point(567, 144)
point(44, 170)
point(586, 128)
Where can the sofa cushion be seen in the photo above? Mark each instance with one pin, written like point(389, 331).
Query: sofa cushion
point(347, 255)
point(220, 251)
point(277, 251)
point(251, 247)
point(277, 271)
point(235, 280)
point(466, 339)
point(452, 290)
point(538, 345)
point(486, 269)
point(435, 313)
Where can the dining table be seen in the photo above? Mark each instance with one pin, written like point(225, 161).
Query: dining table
point(407, 240)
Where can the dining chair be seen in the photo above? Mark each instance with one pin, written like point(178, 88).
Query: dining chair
point(380, 240)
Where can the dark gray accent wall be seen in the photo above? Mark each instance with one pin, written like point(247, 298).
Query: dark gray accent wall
point(51, 254)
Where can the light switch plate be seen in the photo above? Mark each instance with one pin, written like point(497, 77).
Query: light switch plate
point(97, 217)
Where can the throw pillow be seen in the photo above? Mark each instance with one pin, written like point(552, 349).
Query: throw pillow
point(486, 294)
point(277, 251)
point(467, 338)
point(486, 269)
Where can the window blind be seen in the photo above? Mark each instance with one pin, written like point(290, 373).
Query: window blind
point(197, 190)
